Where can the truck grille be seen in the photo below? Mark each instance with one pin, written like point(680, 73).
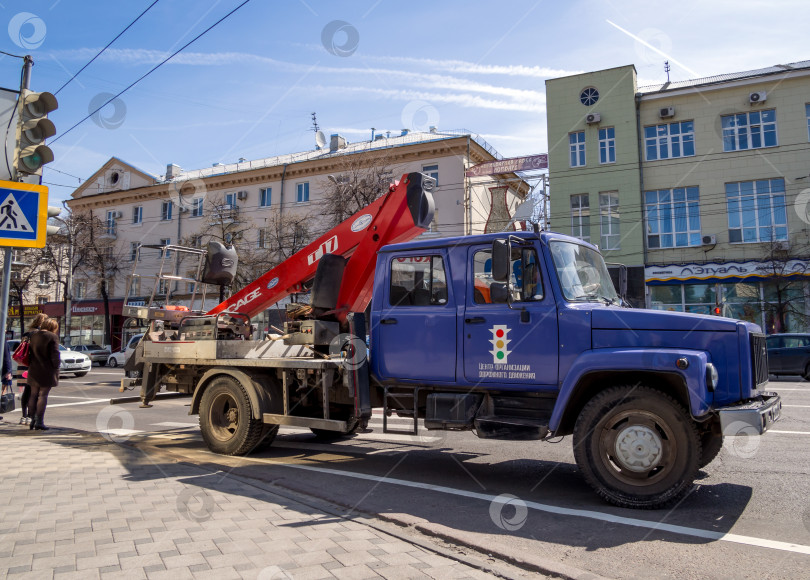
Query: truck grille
point(759, 359)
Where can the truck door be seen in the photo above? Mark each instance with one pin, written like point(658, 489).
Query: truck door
point(415, 334)
point(506, 345)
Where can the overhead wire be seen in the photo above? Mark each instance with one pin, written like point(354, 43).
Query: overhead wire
point(153, 69)
point(106, 47)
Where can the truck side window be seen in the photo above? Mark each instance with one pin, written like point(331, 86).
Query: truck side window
point(418, 281)
point(525, 285)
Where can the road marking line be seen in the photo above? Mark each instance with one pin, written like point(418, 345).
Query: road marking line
point(778, 389)
point(120, 432)
point(797, 406)
point(593, 515)
point(80, 403)
point(789, 432)
point(171, 424)
point(65, 397)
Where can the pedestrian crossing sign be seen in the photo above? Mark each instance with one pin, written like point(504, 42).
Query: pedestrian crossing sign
point(23, 214)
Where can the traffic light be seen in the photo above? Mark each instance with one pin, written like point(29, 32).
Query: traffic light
point(499, 342)
point(53, 211)
point(33, 127)
point(718, 311)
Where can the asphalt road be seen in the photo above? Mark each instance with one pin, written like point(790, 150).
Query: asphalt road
point(748, 517)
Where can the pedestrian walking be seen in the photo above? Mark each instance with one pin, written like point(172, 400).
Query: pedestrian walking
point(5, 372)
point(43, 372)
point(26, 388)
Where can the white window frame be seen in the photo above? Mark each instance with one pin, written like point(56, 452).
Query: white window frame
point(672, 207)
point(111, 222)
point(137, 214)
point(581, 216)
point(576, 149)
point(665, 138)
point(44, 277)
point(607, 145)
point(133, 251)
point(760, 206)
point(166, 211)
point(263, 241)
point(265, 196)
point(610, 238)
point(197, 207)
point(230, 200)
point(736, 131)
point(79, 289)
point(302, 192)
point(432, 170)
point(165, 242)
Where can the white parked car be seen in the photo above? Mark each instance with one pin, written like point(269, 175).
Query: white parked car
point(71, 361)
point(119, 358)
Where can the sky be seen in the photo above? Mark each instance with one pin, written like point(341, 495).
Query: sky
point(248, 87)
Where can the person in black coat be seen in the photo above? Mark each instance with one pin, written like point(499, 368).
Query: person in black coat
point(26, 393)
point(43, 371)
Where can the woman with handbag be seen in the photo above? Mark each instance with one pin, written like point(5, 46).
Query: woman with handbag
point(43, 370)
point(26, 393)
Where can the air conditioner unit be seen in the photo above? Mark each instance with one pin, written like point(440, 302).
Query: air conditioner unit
point(182, 208)
point(781, 246)
point(116, 214)
point(758, 97)
point(241, 195)
point(666, 112)
point(710, 240)
point(592, 118)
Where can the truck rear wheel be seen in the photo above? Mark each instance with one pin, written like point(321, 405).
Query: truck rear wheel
point(637, 447)
point(226, 420)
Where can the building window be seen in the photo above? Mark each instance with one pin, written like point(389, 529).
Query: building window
point(807, 114)
point(166, 211)
point(133, 251)
point(753, 130)
point(673, 217)
point(190, 286)
point(302, 192)
point(197, 207)
point(110, 225)
point(42, 299)
point(431, 171)
point(196, 242)
point(137, 214)
point(265, 196)
point(607, 145)
point(669, 140)
point(163, 286)
point(576, 142)
point(581, 217)
point(756, 211)
point(264, 238)
point(79, 289)
point(165, 242)
point(44, 278)
point(134, 287)
point(230, 200)
point(589, 96)
point(609, 219)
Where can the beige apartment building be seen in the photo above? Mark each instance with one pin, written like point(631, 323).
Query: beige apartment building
point(699, 186)
point(194, 206)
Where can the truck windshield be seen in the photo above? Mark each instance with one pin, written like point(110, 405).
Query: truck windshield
point(582, 273)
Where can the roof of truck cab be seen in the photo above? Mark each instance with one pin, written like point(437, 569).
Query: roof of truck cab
point(429, 243)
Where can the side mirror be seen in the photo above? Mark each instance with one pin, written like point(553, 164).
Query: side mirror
point(501, 253)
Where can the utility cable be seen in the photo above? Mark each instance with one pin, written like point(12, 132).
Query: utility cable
point(153, 69)
point(106, 47)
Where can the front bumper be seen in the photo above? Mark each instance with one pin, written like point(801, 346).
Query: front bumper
point(753, 417)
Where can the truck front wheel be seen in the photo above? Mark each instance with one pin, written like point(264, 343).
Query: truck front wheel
point(226, 421)
point(637, 447)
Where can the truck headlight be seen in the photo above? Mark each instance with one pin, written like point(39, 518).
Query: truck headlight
point(712, 377)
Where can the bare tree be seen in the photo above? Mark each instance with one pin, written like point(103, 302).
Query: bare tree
point(27, 263)
point(359, 181)
point(782, 268)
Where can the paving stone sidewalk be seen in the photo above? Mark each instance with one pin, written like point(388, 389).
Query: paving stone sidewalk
point(76, 506)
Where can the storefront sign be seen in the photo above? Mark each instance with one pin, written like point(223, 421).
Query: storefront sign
point(529, 163)
point(28, 310)
point(725, 270)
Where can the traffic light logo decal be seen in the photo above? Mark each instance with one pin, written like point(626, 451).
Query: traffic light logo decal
point(500, 341)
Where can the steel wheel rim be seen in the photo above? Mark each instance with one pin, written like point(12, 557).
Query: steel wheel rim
point(653, 457)
point(224, 417)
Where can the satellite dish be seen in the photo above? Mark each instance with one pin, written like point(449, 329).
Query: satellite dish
point(320, 139)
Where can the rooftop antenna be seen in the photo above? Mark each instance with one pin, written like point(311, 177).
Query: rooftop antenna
point(666, 70)
point(315, 123)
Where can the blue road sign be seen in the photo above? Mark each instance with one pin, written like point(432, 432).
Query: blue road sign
point(23, 214)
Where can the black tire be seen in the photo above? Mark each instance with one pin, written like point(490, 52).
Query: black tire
point(266, 439)
point(711, 442)
point(226, 420)
point(658, 461)
point(81, 375)
point(329, 435)
point(113, 363)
